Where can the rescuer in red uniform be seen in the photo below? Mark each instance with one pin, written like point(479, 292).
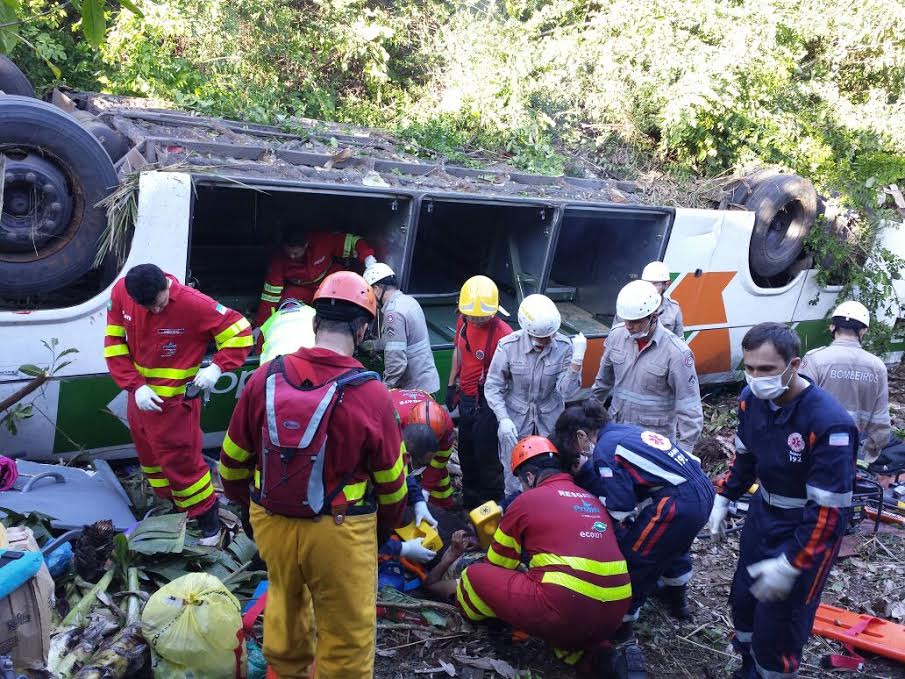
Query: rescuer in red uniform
point(314, 447)
point(304, 261)
point(576, 588)
point(156, 336)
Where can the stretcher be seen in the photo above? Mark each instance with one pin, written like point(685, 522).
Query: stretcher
point(861, 631)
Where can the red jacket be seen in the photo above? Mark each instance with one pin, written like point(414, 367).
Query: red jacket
point(567, 538)
point(290, 279)
point(363, 439)
point(475, 354)
point(164, 350)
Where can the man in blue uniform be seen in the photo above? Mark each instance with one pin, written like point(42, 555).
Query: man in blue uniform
point(801, 445)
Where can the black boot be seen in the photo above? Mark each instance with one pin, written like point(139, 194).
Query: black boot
point(209, 522)
point(675, 599)
point(628, 663)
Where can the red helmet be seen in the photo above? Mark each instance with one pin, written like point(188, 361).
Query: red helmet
point(429, 412)
point(347, 286)
point(531, 446)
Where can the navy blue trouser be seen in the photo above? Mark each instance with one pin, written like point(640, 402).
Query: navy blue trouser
point(770, 636)
point(656, 544)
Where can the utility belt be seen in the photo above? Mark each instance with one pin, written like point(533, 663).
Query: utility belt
point(781, 501)
point(339, 511)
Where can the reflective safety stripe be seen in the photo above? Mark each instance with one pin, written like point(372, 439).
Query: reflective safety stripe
point(273, 289)
point(158, 483)
point(355, 491)
point(235, 451)
point(568, 657)
point(466, 607)
point(258, 479)
point(231, 331)
point(442, 494)
point(151, 470)
point(419, 347)
point(390, 498)
point(643, 399)
point(438, 462)
point(167, 391)
point(115, 331)
point(744, 637)
point(678, 581)
point(443, 454)
point(782, 501)
point(771, 674)
point(395, 346)
point(578, 563)
point(195, 499)
point(166, 373)
point(739, 446)
point(649, 466)
point(826, 498)
point(231, 474)
point(195, 487)
point(349, 244)
point(243, 341)
point(507, 541)
point(390, 475)
point(116, 350)
point(685, 402)
point(595, 592)
point(503, 561)
point(483, 608)
point(270, 298)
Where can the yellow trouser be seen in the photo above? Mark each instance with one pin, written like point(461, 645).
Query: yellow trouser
point(323, 584)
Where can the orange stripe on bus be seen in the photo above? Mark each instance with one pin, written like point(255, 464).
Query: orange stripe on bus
point(712, 351)
point(701, 297)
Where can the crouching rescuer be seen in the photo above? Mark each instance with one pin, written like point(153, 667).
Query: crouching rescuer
point(314, 447)
point(576, 588)
point(157, 333)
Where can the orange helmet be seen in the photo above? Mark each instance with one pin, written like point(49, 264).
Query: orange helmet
point(429, 412)
point(346, 286)
point(531, 446)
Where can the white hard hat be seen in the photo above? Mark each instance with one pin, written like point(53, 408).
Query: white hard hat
point(377, 272)
point(853, 311)
point(539, 316)
point(637, 300)
point(655, 272)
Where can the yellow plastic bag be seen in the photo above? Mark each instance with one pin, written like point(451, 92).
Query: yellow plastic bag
point(193, 625)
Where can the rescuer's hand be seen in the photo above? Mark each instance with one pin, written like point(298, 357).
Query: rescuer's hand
point(579, 347)
point(773, 578)
point(422, 513)
point(412, 549)
point(370, 261)
point(717, 522)
point(146, 399)
point(507, 433)
point(207, 377)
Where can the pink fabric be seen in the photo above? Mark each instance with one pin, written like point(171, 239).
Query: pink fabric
point(9, 472)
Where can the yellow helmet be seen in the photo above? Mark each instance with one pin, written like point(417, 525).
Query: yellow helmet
point(480, 297)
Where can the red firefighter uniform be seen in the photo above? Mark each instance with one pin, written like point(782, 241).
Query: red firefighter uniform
point(435, 478)
point(164, 351)
point(324, 568)
point(577, 586)
point(299, 279)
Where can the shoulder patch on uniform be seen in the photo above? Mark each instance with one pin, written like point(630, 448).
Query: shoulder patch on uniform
point(508, 339)
point(390, 318)
point(605, 472)
point(221, 309)
point(688, 360)
point(839, 438)
point(657, 441)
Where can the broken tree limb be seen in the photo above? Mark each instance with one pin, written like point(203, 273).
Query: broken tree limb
point(33, 385)
point(446, 608)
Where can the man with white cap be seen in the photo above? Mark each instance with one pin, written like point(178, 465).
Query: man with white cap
point(534, 371)
point(854, 376)
point(649, 372)
point(408, 362)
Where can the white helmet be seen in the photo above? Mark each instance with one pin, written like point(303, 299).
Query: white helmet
point(538, 316)
point(377, 272)
point(853, 311)
point(655, 272)
point(637, 300)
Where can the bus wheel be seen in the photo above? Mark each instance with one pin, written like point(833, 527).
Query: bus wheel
point(785, 207)
point(54, 174)
point(12, 80)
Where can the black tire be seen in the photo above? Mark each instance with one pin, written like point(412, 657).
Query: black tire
point(742, 190)
point(13, 80)
point(73, 173)
point(785, 207)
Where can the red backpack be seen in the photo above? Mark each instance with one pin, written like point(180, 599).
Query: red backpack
point(296, 424)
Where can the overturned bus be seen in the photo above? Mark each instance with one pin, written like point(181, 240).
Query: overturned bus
point(207, 200)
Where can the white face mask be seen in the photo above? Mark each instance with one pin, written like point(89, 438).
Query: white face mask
point(770, 387)
point(642, 334)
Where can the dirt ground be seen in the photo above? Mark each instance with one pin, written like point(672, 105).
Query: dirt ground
point(870, 579)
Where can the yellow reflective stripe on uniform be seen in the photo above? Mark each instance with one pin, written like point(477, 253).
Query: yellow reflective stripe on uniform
point(116, 350)
point(578, 563)
point(507, 541)
point(390, 475)
point(158, 483)
point(469, 611)
point(166, 373)
point(167, 391)
point(151, 470)
point(273, 289)
point(195, 499)
point(390, 498)
point(270, 298)
point(442, 494)
point(231, 331)
point(355, 491)
point(568, 657)
point(483, 608)
point(115, 331)
point(349, 244)
point(195, 487)
point(503, 561)
point(258, 479)
point(232, 474)
point(234, 450)
point(243, 341)
point(578, 585)
point(439, 461)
